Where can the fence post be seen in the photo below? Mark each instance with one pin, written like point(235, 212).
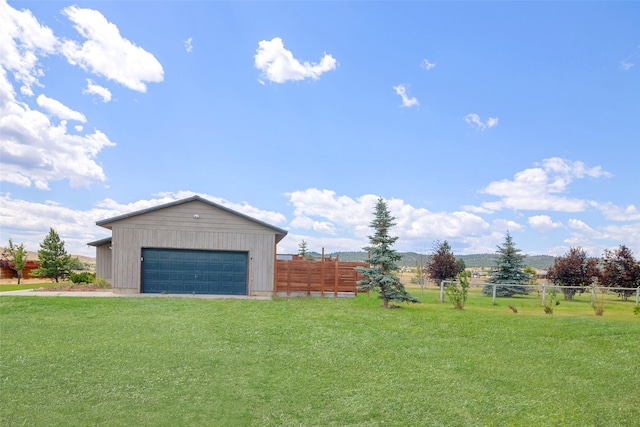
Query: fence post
point(335, 278)
point(593, 295)
point(442, 291)
point(638, 296)
point(322, 275)
point(308, 278)
point(544, 290)
point(494, 295)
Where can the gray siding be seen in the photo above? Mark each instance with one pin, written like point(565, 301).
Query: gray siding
point(176, 228)
point(103, 262)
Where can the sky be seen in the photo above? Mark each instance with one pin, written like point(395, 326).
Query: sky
point(470, 119)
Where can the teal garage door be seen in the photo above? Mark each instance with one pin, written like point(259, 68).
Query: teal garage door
point(180, 271)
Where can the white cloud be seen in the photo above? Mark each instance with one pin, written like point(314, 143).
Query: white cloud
point(506, 225)
point(306, 223)
point(36, 148)
point(94, 89)
point(537, 188)
point(406, 100)
point(34, 151)
point(28, 222)
point(187, 45)
point(316, 244)
point(58, 109)
point(106, 53)
point(352, 216)
point(628, 233)
point(477, 209)
point(580, 225)
point(625, 65)
point(22, 41)
point(573, 169)
point(543, 223)
point(427, 65)
point(474, 121)
point(278, 64)
point(617, 213)
point(595, 240)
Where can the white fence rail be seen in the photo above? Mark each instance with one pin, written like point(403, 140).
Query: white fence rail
point(544, 288)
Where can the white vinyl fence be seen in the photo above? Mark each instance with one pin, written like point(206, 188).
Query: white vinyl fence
point(544, 288)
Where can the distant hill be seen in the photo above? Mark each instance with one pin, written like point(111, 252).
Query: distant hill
point(33, 256)
point(412, 259)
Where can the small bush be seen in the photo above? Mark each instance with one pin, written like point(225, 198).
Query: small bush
point(636, 310)
point(84, 277)
point(598, 301)
point(101, 283)
point(458, 296)
point(550, 301)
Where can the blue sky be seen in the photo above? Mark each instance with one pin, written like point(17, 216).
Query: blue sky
point(469, 118)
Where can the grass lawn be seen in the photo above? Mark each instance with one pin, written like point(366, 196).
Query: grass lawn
point(23, 286)
point(318, 362)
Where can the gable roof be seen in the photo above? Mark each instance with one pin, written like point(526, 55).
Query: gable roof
point(280, 233)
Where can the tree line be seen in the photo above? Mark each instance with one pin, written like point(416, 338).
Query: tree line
point(574, 271)
point(53, 260)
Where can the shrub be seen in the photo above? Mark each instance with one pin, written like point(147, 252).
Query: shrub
point(458, 296)
point(84, 277)
point(101, 283)
point(598, 300)
point(550, 301)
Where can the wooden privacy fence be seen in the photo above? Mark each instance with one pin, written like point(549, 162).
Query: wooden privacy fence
point(324, 276)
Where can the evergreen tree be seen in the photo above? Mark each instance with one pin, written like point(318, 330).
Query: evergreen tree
point(443, 264)
point(15, 257)
point(302, 249)
point(380, 276)
point(53, 259)
point(509, 265)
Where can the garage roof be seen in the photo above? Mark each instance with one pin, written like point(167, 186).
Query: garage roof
point(280, 233)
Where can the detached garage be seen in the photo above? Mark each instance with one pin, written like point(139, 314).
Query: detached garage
point(188, 246)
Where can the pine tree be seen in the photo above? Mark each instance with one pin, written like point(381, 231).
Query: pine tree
point(53, 259)
point(15, 257)
point(380, 276)
point(509, 265)
point(302, 249)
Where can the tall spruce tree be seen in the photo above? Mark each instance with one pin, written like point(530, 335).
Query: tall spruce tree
point(53, 259)
point(510, 266)
point(381, 276)
point(303, 249)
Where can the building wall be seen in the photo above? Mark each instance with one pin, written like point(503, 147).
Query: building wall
point(103, 262)
point(175, 227)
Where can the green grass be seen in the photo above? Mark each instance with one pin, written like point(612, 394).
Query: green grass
point(318, 362)
point(22, 286)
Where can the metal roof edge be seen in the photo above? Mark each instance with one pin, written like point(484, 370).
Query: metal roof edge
point(100, 242)
point(278, 230)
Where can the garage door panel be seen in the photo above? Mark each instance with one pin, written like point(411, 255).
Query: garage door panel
point(193, 271)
